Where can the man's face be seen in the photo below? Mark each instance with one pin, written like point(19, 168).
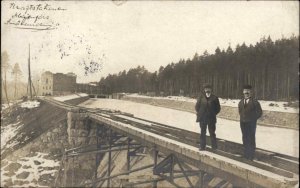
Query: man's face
point(247, 93)
point(207, 90)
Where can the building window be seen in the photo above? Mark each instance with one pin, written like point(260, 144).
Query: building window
point(46, 80)
point(46, 87)
point(49, 87)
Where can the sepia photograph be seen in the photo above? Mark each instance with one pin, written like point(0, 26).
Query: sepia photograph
point(131, 93)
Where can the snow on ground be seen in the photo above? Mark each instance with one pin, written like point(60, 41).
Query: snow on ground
point(30, 104)
point(36, 166)
point(82, 94)
point(69, 97)
point(279, 140)
point(7, 133)
point(4, 106)
point(278, 106)
point(178, 98)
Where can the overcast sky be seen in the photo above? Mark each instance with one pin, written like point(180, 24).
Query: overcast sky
point(152, 34)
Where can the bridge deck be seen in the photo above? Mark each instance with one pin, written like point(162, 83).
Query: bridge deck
point(208, 161)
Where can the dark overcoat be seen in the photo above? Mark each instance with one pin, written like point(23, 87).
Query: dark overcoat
point(207, 108)
point(251, 111)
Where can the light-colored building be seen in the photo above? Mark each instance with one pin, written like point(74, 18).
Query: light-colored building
point(46, 83)
point(57, 84)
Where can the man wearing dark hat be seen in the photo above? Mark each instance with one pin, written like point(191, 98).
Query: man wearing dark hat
point(249, 110)
point(207, 107)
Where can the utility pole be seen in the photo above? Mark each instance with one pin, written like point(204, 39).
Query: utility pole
point(29, 76)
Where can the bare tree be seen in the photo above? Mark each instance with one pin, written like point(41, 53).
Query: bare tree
point(17, 73)
point(5, 66)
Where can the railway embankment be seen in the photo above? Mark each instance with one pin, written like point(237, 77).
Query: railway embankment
point(34, 136)
point(34, 140)
point(269, 118)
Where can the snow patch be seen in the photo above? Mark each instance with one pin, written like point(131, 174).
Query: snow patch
point(7, 133)
point(30, 104)
point(278, 106)
point(69, 97)
point(4, 106)
point(82, 94)
point(38, 166)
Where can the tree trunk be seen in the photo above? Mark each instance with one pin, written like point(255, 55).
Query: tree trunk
point(263, 85)
point(15, 93)
point(277, 87)
point(288, 87)
point(5, 89)
point(237, 85)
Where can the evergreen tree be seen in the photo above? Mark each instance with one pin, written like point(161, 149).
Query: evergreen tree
point(16, 72)
point(270, 67)
point(5, 66)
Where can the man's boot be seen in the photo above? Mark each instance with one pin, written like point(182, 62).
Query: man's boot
point(214, 143)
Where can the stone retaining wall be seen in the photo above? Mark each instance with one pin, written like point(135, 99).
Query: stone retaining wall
point(54, 140)
point(81, 132)
point(269, 118)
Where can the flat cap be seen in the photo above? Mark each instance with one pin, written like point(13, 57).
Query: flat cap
point(207, 86)
point(247, 86)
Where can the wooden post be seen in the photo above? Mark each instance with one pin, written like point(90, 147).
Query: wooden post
point(201, 177)
point(172, 169)
point(29, 74)
point(182, 170)
point(73, 172)
point(155, 155)
point(98, 154)
point(66, 172)
point(109, 159)
point(128, 154)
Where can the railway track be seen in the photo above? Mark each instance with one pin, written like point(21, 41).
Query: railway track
point(283, 165)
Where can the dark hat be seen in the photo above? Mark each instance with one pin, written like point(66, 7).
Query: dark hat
point(207, 86)
point(247, 86)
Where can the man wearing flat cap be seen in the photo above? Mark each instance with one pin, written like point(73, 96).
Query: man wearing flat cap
point(249, 110)
point(207, 108)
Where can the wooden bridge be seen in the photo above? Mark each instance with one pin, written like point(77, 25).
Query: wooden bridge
point(173, 150)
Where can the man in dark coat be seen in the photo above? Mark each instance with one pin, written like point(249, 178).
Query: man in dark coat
point(207, 107)
point(249, 110)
